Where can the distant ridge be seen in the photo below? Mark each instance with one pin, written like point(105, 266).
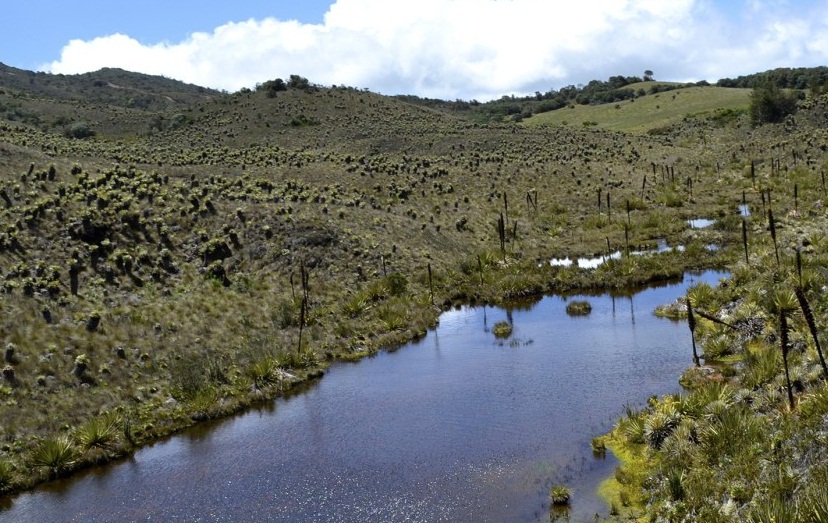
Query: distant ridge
point(109, 86)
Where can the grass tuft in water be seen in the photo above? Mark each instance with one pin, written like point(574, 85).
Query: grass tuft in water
point(560, 495)
point(578, 308)
point(502, 329)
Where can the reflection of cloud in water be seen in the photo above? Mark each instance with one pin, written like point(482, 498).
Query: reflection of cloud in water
point(700, 223)
point(593, 262)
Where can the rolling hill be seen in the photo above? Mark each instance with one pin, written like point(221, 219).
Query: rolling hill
point(651, 111)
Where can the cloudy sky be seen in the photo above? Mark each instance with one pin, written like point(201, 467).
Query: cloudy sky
point(467, 49)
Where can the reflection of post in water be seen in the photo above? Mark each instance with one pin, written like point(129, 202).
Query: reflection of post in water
point(509, 317)
point(632, 309)
point(485, 326)
point(613, 305)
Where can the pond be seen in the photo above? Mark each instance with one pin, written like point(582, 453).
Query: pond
point(594, 261)
point(459, 426)
point(700, 223)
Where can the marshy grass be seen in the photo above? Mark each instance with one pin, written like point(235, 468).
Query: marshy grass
point(676, 310)
point(6, 471)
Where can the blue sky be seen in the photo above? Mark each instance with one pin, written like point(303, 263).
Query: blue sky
point(468, 49)
point(35, 31)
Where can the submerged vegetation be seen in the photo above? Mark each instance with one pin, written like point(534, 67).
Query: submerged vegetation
point(181, 256)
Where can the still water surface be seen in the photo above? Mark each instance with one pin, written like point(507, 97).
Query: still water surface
point(456, 427)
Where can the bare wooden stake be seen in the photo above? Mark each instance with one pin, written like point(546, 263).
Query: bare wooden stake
point(691, 322)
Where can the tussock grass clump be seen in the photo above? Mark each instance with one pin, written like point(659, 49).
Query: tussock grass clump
point(99, 433)
point(560, 495)
point(502, 329)
point(57, 455)
point(578, 308)
point(658, 426)
point(599, 446)
point(264, 371)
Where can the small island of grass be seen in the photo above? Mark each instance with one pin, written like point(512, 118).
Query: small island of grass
point(502, 329)
point(578, 308)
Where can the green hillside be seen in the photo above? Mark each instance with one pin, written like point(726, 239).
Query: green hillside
point(652, 111)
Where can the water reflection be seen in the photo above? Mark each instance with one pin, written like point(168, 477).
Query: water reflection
point(454, 427)
point(700, 223)
point(593, 262)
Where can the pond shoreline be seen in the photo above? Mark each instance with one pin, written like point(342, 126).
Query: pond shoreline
point(301, 379)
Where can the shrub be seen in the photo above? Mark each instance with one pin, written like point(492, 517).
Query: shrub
point(769, 104)
point(397, 284)
point(271, 87)
point(79, 130)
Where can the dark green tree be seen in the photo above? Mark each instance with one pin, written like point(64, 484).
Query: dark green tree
point(298, 82)
point(770, 104)
point(79, 130)
point(271, 87)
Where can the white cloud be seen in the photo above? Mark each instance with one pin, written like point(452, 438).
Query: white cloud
point(479, 48)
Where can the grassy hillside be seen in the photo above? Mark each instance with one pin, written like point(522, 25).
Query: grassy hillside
point(182, 264)
point(108, 86)
point(649, 112)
